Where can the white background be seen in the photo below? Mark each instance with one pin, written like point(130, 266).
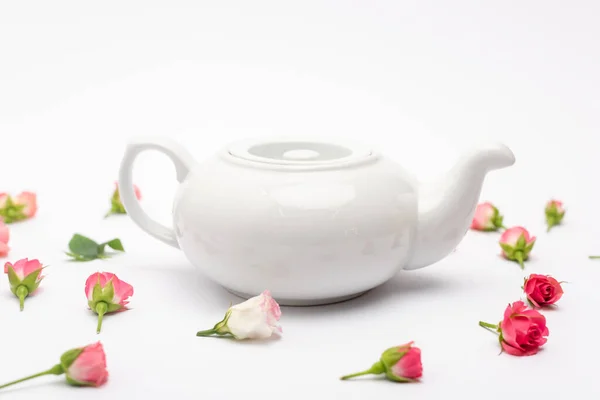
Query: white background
point(417, 79)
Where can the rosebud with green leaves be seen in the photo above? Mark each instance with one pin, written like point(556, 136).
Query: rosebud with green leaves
point(106, 293)
point(516, 244)
point(487, 218)
point(399, 364)
point(83, 366)
point(116, 206)
point(22, 207)
point(554, 213)
point(24, 277)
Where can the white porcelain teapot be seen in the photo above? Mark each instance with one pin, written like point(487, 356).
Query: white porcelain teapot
point(313, 221)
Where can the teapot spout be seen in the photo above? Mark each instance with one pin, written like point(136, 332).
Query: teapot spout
point(446, 206)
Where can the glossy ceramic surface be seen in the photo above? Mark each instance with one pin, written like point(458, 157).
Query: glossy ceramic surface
point(314, 222)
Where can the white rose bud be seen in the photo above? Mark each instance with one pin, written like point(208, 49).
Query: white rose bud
point(256, 318)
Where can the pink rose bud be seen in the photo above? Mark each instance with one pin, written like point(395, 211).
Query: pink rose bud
point(115, 201)
point(256, 318)
point(522, 331)
point(106, 293)
point(4, 237)
point(29, 202)
point(399, 364)
point(22, 207)
point(554, 213)
point(83, 366)
point(516, 244)
point(487, 218)
point(24, 278)
point(542, 290)
point(3, 200)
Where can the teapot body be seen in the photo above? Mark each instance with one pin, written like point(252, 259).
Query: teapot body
point(310, 233)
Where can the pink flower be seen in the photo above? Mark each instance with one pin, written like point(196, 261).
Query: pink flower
point(522, 331)
point(89, 368)
point(399, 364)
point(24, 278)
point(29, 201)
point(82, 366)
point(516, 244)
point(106, 293)
point(554, 213)
point(542, 290)
point(486, 218)
point(409, 365)
point(256, 318)
point(4, 237)
point(22, 207)
point(115, 201)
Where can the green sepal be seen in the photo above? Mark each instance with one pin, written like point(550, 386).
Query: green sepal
point(112, 307)
point(221, 326)
point(500, 339)
point(528, 248)
point(498, 221)
point(97, 291)
point(83, 246)
point(508, 249)
point(69, 357)
point(116, 204)
point(105, 294)
point(390, 375)
point(73, 382)
point(12, 212)
point(13, 279)
point(521, 243)
point(30, 281)
point(391, 356)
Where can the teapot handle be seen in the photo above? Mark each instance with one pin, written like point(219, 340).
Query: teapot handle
point(183, 162)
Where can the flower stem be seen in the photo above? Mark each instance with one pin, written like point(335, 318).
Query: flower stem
point(489, 327)
point(22, 292)
point(56, 370)
point(594, 257)
point(375, 369)
point(519, 257)
point(101, 309)
point(207, 332)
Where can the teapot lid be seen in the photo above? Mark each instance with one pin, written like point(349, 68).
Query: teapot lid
point(297, 153)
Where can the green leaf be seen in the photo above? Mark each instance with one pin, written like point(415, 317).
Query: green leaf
point(114, 244)
point(83, 246)
point(77, 257)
